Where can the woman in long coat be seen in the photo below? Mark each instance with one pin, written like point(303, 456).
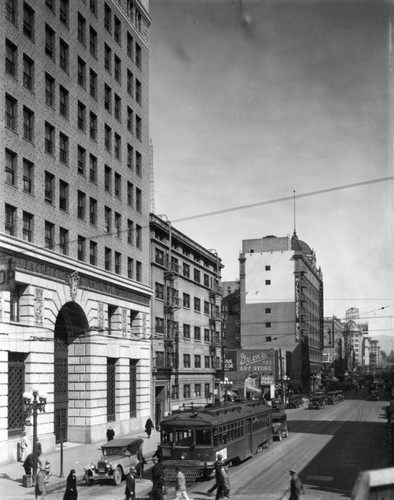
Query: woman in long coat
point(148, 427)
point(71, 492)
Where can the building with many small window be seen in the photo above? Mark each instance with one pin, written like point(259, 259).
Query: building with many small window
point(74, 217)
point(186, 323)
point(281, 300)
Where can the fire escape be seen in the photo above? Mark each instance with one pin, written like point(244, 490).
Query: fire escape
point(171, 305)
point(217, 338)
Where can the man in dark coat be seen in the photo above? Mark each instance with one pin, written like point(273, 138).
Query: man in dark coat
point(296, 487)
point(130, 484)
point(110, 434)
point(218, 465)
point(71, 492)
point(158, 480)
point(28, 464)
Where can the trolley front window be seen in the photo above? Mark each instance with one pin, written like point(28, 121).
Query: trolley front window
point(167, 437)
point(203, 437)
point(184, 438)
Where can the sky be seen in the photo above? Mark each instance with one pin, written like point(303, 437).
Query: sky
point(252, 101)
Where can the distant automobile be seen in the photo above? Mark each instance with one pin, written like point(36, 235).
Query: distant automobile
point(117, 457)
point(374, 395)
point(316, 403)
point(279, 425)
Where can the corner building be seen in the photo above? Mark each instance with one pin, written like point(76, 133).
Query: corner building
point(281, 293)
point(187, 326)
point(74, 218)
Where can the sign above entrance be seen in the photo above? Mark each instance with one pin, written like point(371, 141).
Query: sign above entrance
point(7, 274)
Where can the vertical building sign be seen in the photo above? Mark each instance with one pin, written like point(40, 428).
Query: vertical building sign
point(297, 308)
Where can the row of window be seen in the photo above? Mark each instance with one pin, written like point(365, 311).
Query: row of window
point(209, 334)
point(112, 259)
point(133, 48)
point(187, 391)
point(134, 195)
point(172, 297)
point(134, 158)
point(16, 369)
point(185, 250)
point(160, 258)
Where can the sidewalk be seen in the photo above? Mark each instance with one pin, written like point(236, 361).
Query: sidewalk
point(75, 456)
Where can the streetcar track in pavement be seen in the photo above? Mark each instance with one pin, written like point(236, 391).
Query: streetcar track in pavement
point(320, 427)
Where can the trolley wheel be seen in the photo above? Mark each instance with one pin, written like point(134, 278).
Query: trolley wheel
point(117, 476)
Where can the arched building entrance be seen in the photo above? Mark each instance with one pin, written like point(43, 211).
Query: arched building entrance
point(71, 323)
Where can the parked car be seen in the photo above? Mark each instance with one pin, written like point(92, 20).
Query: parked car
point(316, 403)
point(332, 398)
point(279, 425)
point(293, 402)
point(117, 457)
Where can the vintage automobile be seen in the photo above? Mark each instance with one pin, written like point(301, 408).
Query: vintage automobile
point(332, 398)
point(117, 457)
point(316, 403)
point(293, 402)
point(340, 396)
point(374, 395)
point(279, 425)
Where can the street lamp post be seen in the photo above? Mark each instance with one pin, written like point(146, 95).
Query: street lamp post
point(226, 384)
point(34, 402)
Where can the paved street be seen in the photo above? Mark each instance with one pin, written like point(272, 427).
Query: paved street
point(327, 447)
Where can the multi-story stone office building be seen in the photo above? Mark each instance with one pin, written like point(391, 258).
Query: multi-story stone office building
point(186, 324)
point(74, 217)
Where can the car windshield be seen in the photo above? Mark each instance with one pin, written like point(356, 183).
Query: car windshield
point(114, 451)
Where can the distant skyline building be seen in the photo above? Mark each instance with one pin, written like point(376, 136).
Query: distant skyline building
point(281, 299)
point(75, 191)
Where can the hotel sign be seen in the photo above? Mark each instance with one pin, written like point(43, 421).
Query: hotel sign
point(297, 308)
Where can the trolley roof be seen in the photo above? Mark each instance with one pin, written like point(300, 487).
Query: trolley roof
point(190, 417)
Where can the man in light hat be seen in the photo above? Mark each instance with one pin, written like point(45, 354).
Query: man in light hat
point(130, 484)
point(296, 487)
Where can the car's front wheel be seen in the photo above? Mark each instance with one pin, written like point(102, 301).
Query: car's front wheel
point(117, 476)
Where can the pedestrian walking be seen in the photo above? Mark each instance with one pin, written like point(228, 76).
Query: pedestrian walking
point(158, 480)
point(38, 448)
point(130, 484)
point(47, 470)
point(110, 434)
point(28, 464)
point(223, 490)
point(71, 492)
point(296, 487)
point(218, 465)
point(158, 453)
point(148, 427)
point(40, 489)
point(23, 445)
point(180, 487)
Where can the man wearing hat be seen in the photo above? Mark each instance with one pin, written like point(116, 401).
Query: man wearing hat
point(296, 487)
point(218, 465)
point(158, 480)
point(130, 484)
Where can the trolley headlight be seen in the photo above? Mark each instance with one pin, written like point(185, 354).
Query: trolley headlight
point(184, 456)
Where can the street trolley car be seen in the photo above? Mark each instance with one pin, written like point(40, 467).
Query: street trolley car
point(192, 437)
